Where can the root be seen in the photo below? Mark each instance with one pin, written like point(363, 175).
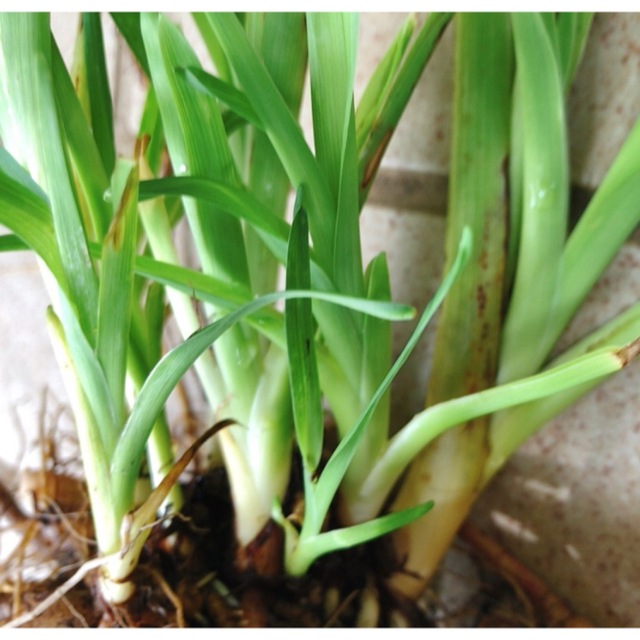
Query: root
point(60, 592)
point(17, 593)
point(169, 592)
point(338, 611)
point(9, 508)
point(74, 612)
point(553, 611)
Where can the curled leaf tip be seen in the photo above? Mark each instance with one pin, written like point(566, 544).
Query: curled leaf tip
point(628, 352)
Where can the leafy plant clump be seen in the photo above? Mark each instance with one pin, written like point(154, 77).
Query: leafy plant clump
point(223, 152)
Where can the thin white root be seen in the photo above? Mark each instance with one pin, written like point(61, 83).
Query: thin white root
point(60, 592)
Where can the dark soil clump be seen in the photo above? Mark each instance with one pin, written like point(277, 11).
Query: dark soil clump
point(192, 575)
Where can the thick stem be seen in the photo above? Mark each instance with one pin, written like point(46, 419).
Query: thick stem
point(468, 336)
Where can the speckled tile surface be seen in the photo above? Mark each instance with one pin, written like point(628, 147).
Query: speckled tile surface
point(605, 99)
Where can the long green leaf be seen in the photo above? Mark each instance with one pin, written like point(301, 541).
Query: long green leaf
point(545, 199)
point(226, 93)
point(89, 171)
point(10, 242)
point(98, 89)
point(468, 333)
point(214, 49)
point(307, 550)
point(282, 129)
point(95, 457)
point(116, 289)
point(341, 334)
point(129, 26)
point(337, 325)
point(377, 90)
point(282, 43)
point(233, 200)
point(198, 145)
point(510, 428)
point(432, 422)
point(573, 31)
point(372, 149)
point(24, 210)
point(338, 464)
point(167, 373)
point(611, 216)
point(303, 367)
point(27, 82)
point(376, 355)
point(332, 58)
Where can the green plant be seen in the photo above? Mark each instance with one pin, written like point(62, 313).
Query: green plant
point(103, 229)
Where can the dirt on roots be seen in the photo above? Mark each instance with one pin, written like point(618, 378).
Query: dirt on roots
point(191, 575)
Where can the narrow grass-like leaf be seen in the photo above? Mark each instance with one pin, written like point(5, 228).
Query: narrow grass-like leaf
point(573, 31)
point(516, 185)
point(94, 456)
point(214, 49)
point(545, 199)
point(282, 129)
point(268, 321)
point(24, 211)
point(98, 89)
point(612, 214)
point(167, 373)
point(332, 57)
point(372, 149)
point(303, 367)
point(150, 133)
point(92, 179)
point(468, 333)
point(432, 422)
point(226, 93)
point(282, 43)
point(154, 313)
point(376, 355)
point(338, 464)
point(116, 290)
point(129, 27)
point(338, 328)
point(91, 376)
point(198, 145)
point(157, 226)
point(10, 242)
point(310, 549)
point(509, 429)
point(270, 434)
point(467, 339)
point(273, 230)
point(233, 200)
point(376, 359)
point(28, 87)
point(377, 90)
